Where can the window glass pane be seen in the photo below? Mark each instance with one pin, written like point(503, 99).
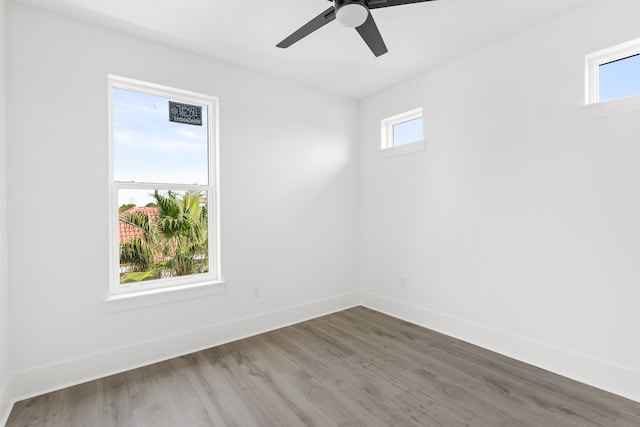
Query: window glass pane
point(407, 132)
point(162, 234)
point(620, 78)
point(147, 147)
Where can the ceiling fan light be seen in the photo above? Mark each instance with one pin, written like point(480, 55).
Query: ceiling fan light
point(352, 15)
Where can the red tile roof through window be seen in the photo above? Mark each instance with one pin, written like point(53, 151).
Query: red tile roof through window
point(128, 231)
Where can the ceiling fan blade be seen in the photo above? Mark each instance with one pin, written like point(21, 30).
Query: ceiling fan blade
point(319, 21)
point(371, 35)
point(376, 4)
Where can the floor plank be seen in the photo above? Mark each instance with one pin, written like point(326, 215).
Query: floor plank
point(354, 368)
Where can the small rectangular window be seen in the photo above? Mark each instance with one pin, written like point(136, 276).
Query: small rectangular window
point(619, 78)
point(613, 73)
point(163, 186)
point(405, 128)
point(407, 132)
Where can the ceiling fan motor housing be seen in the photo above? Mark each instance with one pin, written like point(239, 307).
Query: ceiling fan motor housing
point(351, 13)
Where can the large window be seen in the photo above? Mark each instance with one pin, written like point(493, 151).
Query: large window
point(164, 209)
point(613, 73)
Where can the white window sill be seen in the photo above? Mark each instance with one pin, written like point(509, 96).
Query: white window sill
point(611, 108)
point(133, 300)
point(400, 150)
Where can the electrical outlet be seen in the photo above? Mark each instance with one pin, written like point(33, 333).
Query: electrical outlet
point(403, 282)
point(256, 292)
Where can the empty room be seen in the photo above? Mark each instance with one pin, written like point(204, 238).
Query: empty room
point(320, 213)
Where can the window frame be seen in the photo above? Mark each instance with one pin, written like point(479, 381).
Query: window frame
point(118, 290)
point(386, 125)
point(387, 147)
point(594, 60)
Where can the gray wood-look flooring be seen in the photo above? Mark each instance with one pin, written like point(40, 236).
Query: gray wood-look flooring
point(357, 367)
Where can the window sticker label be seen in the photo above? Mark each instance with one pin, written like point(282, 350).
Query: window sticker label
point(185, 113)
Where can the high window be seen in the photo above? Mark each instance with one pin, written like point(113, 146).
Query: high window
point(402, 129)
point(163, 175)
point(613, 73)
point(402, 134)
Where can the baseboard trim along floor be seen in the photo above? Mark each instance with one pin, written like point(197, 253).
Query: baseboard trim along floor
point(84, 368)
point(616, 379)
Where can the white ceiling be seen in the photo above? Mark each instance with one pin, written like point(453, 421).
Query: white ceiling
point(244, 32)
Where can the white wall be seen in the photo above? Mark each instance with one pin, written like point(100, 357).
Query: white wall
point(288, 194)
point(517, 228)
point(5, 367)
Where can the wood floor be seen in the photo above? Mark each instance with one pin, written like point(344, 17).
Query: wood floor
point(353, 368)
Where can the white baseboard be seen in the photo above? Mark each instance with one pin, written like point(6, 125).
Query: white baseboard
point(6, 401)
point(619, 380)
point(43, 379)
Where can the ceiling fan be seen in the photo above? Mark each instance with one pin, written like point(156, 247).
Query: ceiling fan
point(352, 14)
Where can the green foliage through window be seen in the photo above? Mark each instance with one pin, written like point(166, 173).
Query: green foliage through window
point(169, 238)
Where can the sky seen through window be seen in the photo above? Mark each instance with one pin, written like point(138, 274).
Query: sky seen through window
point(149, 148)
point(619, 79)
